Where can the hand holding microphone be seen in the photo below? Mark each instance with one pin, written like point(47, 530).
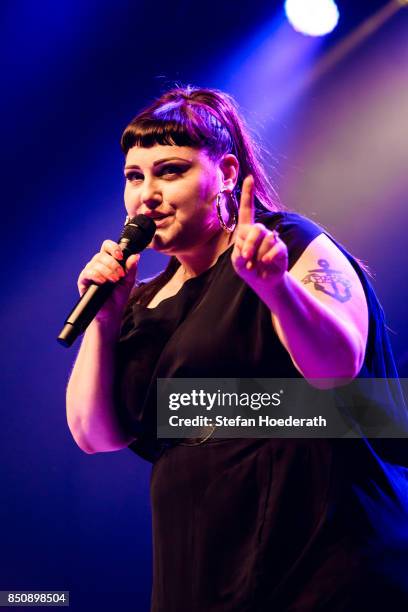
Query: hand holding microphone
point(107, 280)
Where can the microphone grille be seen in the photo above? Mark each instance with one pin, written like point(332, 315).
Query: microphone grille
point(138, 231)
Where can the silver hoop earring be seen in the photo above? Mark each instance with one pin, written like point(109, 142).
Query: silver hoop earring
point(232, 207)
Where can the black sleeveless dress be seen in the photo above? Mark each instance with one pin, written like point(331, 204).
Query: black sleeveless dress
point(254, 525)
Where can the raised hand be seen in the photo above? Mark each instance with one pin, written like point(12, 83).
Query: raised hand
point(259, 256)
point(105, 267)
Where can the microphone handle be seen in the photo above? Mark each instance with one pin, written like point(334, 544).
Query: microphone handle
point(89, 305)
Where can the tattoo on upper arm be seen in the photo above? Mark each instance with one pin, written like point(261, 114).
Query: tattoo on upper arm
point(330, 282)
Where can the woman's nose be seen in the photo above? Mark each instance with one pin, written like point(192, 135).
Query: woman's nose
point(151, 195)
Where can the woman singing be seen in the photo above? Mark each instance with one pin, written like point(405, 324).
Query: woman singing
point(243, 525)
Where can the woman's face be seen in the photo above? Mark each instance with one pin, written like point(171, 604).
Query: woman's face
point(177, 187)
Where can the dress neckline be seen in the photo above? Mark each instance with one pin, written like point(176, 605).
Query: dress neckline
point(187, 283)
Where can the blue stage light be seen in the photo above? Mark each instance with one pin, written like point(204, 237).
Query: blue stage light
point(312, 17)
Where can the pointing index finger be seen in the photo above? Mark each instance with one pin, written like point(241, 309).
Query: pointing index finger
point(246, 205)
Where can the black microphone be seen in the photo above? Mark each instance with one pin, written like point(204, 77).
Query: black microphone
point(136, 235)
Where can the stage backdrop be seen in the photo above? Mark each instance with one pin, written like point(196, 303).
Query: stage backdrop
point(74, 73)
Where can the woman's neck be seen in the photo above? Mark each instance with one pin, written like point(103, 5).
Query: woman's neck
point(203, 256)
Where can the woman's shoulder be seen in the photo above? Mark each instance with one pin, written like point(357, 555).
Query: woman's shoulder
point(133, 301)
point(288, 221)
point(295, 230)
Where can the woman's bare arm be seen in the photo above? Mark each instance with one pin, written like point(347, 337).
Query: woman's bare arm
point(318, 308)
point(91, 414)
point(320, 314)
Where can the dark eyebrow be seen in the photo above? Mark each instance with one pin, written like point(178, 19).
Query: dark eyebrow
point(160, 161)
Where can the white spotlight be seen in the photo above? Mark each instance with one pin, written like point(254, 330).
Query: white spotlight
point(312, 17)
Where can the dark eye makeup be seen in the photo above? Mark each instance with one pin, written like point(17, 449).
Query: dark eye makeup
point(172, 169)
point(167, 169)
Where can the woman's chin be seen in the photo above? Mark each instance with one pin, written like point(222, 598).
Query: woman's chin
point(161, 242)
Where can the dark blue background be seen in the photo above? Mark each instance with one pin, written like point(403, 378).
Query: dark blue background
point(74, 73)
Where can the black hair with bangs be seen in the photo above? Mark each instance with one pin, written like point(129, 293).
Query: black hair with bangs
point(203, 119)
point(206, 119)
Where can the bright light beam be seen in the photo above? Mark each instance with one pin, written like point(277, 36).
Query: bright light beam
point(355, 39)
point(312, 17)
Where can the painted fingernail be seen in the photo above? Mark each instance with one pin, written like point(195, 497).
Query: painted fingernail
point(118, 254)
point(249, 265)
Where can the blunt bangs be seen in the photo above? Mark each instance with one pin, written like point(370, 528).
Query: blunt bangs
point(181, 124)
